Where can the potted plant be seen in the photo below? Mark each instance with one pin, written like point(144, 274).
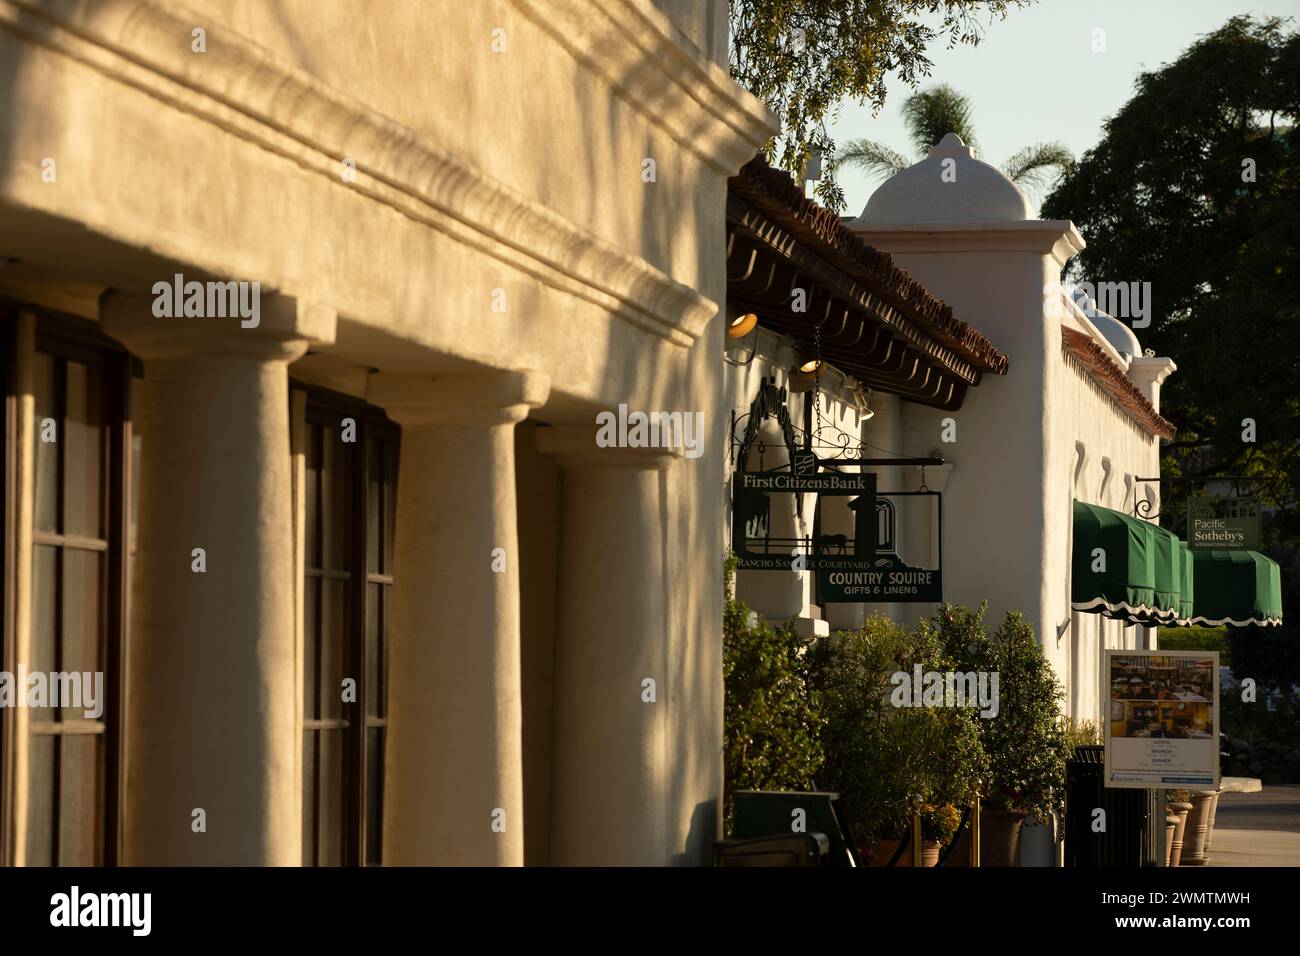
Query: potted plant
point(879, 753)
point(1024, 740)
point(864, 759)
point(772, 728)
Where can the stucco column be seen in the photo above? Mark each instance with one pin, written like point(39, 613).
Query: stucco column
point(611, 755)
point(453, 785)
point(210, 702)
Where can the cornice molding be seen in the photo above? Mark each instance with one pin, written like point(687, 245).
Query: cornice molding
point(647, 60)
point(252, 93)
point(1103, 370)
point(1055, 237)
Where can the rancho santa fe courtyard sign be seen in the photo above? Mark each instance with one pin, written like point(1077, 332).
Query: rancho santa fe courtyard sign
point(864, 567)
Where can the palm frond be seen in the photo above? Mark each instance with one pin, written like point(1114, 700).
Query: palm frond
point(1035, 167)
point(876, 159)
point(931, 114)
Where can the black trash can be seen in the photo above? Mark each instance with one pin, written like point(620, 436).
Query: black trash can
point(1135, 819)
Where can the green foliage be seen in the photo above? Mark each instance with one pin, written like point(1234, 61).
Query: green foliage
point(804, 57)
point(1034, 167)
point(1164, 197)
point(1079, 733)
point(933, 113)
point(876, 159)
point(772, 714)
point(1197, 639)
point(1026, 742)
point(878, 756)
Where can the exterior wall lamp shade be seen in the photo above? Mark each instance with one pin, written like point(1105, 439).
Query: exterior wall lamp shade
point(803, 373)
point(1237, 588)
point(742, 325)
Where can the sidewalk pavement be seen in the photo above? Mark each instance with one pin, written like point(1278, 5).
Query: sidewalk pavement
point(1257, 829)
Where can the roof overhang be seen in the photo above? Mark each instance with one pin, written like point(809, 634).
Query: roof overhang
point(874, 321)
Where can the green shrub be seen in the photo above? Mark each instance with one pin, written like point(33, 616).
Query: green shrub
point(1197, 639)
point(773, 716)
point(1079, 733)
point(878, 756)
point(1026, 743)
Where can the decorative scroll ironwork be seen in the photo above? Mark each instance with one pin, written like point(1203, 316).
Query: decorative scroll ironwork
point(1142, 508)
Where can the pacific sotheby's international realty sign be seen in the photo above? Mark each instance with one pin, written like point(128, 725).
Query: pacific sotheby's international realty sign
point(1223, 524)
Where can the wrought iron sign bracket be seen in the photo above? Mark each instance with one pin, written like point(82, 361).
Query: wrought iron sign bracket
point(1142, 507)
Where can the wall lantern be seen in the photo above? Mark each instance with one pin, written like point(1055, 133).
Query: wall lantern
point(742, 325)
point(803, 373)
point(865, 411)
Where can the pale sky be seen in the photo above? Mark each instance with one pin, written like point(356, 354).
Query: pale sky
point(1036, 78)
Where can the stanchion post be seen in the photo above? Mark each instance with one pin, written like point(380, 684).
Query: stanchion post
point(974, 841)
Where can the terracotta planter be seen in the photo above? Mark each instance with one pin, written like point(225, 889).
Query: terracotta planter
point(930, 852)
point(1000, 837)
point(1179, 811)
point(1171, 823)
point(885, 852)
point(1198, 828)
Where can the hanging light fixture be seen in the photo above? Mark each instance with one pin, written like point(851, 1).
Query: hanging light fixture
point(742, 325)
point(860, 394)
point(803, 373)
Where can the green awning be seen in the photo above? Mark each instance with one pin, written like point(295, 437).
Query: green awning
point(1169, 576)
point(1135, 571)
point(1236, 588)
point(1114, 564)
point(1186, 604)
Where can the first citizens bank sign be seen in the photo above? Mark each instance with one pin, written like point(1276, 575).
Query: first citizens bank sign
point(849, 569)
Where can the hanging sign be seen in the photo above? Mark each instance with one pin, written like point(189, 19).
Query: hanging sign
point(888, 580)
point(757, 548)
point(1223, 524)
point(1162, 729)
point(861, 565)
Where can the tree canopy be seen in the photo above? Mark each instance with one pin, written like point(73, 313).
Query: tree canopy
point(933, 113)
point(1195, 188)
point(804, 57)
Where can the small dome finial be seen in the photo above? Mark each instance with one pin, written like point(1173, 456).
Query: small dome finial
point(951, 145)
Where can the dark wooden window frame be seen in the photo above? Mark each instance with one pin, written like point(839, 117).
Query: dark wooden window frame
point(328, 408)
point(69, 337)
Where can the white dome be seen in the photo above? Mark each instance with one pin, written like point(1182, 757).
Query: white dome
point(1115, 332)
point(972, 191)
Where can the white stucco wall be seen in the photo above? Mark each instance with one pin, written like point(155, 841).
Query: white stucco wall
point(481, 175)
point(1007, 503)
